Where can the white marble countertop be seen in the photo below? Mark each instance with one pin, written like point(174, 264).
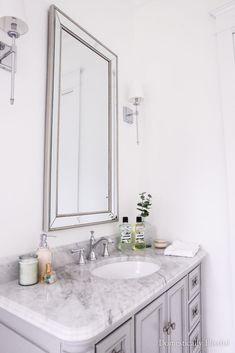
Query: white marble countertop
point(80, 306)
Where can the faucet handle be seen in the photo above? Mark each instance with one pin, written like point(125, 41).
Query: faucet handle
point(82, 260)
point(81, 255)
point(106, 250)
point(74, 251)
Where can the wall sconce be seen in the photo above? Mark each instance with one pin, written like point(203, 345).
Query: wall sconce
point(12, 21)
point(136, 97)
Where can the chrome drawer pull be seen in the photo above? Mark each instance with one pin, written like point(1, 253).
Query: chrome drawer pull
point(195, 312)
point(194, 282)
point(167, 329)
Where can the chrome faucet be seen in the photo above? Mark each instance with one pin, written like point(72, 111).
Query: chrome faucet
point(93, 244)
point(81, 255)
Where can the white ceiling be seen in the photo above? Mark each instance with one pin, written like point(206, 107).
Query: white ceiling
point(140, 2)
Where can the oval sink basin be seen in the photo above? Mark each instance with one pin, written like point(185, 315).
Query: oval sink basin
point(126, 270)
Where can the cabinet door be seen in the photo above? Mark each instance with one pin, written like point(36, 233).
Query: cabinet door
point(177, 317)
point(11, 342)
point(117, 342)
point(150, 337)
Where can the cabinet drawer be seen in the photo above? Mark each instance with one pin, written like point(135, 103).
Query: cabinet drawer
point(195, 340)
point(194, 312)
point(11, 342)
point(194, 282)
point(118, 341)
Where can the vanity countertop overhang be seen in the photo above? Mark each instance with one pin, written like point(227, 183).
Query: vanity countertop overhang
point(80, 306)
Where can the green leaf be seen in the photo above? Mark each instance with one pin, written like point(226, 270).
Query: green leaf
point(144, 205)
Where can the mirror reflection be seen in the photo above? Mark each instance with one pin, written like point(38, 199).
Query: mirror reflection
point(83, 166)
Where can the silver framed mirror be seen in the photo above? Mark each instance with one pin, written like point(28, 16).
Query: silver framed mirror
point(81, 163)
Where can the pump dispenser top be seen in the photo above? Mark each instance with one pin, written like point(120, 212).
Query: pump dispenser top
point(43, 241)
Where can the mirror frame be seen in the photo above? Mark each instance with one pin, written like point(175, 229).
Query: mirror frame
point(51, 220)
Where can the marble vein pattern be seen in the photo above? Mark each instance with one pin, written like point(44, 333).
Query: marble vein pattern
point(80, 306)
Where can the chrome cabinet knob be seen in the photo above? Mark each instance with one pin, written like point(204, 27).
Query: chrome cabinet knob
point(170, 326)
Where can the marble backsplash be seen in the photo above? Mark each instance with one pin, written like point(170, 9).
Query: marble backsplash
point(61, 256)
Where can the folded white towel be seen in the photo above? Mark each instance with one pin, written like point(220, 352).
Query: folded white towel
point(180, 248)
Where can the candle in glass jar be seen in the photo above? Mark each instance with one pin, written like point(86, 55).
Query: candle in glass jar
point(28, 270)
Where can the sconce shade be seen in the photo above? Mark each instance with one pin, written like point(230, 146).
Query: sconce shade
point(136, 91)
point(12, 12)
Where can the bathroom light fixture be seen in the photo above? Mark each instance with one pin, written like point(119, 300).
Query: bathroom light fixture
point(12, 21)
point(136, 97)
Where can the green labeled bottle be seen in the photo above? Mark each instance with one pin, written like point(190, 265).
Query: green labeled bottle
point(125, 235)
point(139, 241)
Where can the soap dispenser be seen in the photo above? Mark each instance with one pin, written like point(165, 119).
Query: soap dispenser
point(44, 256)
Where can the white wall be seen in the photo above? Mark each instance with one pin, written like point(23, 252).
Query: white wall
point(181, 156)
point(22, 125)
point(183, 141)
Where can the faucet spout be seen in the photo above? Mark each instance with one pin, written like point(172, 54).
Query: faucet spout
point(93, 244)
point(102, 239)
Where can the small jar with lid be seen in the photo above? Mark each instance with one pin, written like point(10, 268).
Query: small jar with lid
point(28, 270)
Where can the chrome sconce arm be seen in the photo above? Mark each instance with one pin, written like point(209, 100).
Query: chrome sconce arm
point(13, 70)
point(8, 62)
point(136, 97)
point(14, 26)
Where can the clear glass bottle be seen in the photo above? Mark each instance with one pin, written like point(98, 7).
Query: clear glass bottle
point(139, 240)
point(125, 242)
point(44, 256)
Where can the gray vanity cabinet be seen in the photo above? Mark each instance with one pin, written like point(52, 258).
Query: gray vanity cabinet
point(149, 324)
point(177, 317)
point(163, 324)
point(12, 342)
point(119, 341)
